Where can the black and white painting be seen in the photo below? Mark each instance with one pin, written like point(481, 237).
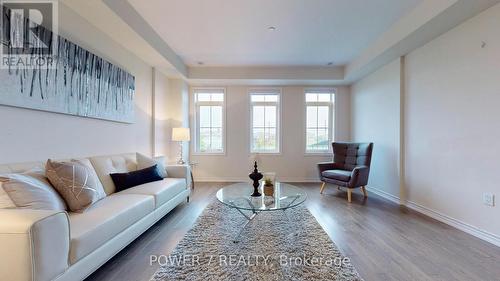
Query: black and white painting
point(79, 83)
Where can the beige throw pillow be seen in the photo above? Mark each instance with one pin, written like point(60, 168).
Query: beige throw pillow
point(144, 162)
point(32, 190)
point(86, 162)
point(75, 182)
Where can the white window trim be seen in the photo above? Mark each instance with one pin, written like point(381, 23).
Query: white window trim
point(278, 119)
point(195, 109)
point(332, 115)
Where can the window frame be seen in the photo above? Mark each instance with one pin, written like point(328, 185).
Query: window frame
point(196, 111)
point(332, 117)
point(263, 91)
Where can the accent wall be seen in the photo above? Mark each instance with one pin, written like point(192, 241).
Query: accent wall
point(29, 135)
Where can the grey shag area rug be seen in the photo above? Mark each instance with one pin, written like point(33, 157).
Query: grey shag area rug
point(270, 248)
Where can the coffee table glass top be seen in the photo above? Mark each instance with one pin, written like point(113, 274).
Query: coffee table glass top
point(238, 196)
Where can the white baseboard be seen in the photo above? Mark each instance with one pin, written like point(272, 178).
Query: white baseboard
point(465, 227)
point(384, 195)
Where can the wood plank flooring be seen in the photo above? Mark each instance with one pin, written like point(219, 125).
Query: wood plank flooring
point(383, 240)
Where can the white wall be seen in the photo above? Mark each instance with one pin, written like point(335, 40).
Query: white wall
point(449, 117)
point(452, 122)
point(178, 116)
point(161, 88)
point(28, 135)
point(171, 110)
point(291, 164)
point(375, 111)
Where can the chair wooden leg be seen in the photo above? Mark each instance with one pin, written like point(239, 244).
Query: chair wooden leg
point(349, 195)
point(364, 191)
point(322, 187)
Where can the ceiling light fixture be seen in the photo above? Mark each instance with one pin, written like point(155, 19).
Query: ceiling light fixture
point(271, 28)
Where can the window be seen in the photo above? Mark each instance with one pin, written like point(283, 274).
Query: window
point(319, 120)
point(209, 135)
point(264, 121)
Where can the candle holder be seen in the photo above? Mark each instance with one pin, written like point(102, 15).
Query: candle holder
point(255, 176)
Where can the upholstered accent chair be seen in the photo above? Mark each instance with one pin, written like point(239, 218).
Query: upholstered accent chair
point(350, 167)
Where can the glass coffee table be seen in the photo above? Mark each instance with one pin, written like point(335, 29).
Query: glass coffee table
point(237, 196)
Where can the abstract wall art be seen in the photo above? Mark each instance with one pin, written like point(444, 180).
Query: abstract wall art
point(79, 83)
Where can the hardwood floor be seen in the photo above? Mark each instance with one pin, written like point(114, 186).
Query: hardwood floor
point(383, 240)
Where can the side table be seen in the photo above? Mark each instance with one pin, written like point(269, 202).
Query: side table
point(192, 165)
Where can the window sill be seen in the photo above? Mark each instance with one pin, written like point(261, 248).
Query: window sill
point(208, 154)
point(265, 153)
point(318, 154)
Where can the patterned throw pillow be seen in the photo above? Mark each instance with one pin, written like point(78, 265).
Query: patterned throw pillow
point(86, 162)
point(76, 183)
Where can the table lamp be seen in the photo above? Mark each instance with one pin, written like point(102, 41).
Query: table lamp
point(180, 135)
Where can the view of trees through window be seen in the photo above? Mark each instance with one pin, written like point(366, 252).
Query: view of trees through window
point(319, 121)
point(264, 122)
point(210, 121)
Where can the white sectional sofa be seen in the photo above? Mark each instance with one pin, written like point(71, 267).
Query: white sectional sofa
point(38, 245)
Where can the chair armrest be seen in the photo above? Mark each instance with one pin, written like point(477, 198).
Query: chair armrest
point(34, 244)
point(180, 171)
point(359, 176)
point(323, 166)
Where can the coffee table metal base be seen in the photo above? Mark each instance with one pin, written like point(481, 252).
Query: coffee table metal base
point(249, 219)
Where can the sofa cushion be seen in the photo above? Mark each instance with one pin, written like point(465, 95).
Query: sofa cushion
point(340, 175)
point(162, 191)
point(144, 162)
point(21, 167)
point(104, 220)
point(106, 165)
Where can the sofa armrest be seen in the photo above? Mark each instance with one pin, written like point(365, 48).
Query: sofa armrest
point(359, 176)
point(34, 244)
point(180, 171)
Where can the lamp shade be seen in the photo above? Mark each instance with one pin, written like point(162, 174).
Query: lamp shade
point(180, 134)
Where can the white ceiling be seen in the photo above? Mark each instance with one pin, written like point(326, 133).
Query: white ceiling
point(234, 32)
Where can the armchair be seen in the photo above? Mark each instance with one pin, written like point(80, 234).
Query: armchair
point(350, 167)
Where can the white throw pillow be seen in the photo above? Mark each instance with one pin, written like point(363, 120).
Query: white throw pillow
point(144, 162)
point(5, 201)
point(32, 190)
